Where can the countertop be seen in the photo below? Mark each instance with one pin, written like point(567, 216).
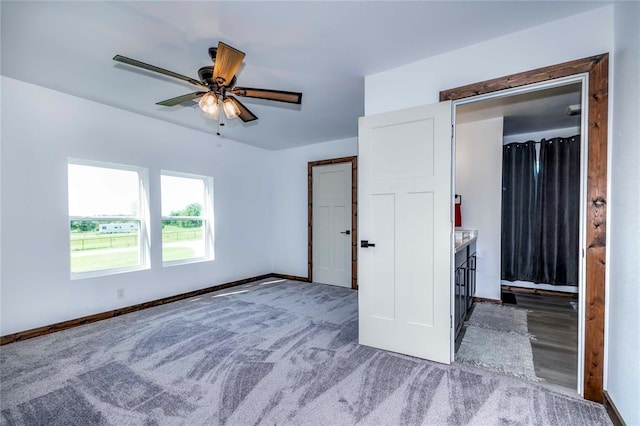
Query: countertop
point(464, 237)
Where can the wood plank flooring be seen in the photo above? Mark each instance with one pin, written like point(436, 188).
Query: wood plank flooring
point(554, 322)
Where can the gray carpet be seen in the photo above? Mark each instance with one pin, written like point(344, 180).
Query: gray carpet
point(265, 353)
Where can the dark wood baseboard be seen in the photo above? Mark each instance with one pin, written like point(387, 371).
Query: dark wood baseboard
point(485, 300)
point(526, 290)
point(40, 331)
point(612, 411)
point(291, 277)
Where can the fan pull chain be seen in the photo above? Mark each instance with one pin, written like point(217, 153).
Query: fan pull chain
point(220, 124)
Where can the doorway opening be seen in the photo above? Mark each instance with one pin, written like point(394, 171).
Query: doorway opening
point(332, 221)
point(520, 171)
point(594, 74)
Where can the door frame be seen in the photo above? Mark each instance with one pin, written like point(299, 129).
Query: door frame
point(354, 214)
point(597, 70)
point(582, 80)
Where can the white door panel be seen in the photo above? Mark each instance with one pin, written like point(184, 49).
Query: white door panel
point(331, 219)
point(390, 160)
point(341, 255)
point(414, 260)
point(382, 297)
point(322, 249)
point(405, 210)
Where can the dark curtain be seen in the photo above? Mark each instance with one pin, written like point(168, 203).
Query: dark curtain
point(518, 211)
point(558, 206)
point(541, 211)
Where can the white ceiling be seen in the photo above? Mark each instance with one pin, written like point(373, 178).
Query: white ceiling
point(527, 112)
point(323, 49)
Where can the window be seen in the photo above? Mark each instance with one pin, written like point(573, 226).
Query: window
point(187, 218)
point(107, 226)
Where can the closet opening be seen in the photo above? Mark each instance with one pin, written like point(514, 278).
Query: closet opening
point(521, 173)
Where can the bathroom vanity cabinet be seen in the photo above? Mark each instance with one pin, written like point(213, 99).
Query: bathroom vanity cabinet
point(465, 276)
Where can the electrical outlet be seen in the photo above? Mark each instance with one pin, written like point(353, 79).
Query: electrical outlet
point(120, 293)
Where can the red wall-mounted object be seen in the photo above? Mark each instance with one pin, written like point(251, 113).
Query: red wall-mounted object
point(458, 210)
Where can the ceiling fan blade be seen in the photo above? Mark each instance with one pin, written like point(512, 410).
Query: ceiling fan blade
point(180, 99)
point(272, 95)
point(159, 70)
point(227, 62)
point(245, 114)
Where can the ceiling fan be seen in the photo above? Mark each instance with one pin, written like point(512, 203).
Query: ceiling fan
point(219, 81)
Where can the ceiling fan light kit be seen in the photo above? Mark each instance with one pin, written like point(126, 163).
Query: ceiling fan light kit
point(230, 109)
point(220, 82)
point(209, 105)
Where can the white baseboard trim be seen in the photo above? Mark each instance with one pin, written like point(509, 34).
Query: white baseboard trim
point(548, 287)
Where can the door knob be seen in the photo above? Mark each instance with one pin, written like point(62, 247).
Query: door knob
point(347, 232)
point(366, 243)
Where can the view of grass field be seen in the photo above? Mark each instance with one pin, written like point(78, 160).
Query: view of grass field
point(93, 251)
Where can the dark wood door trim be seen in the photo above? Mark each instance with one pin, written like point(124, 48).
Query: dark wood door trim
point(597, 68)
point(354, 214)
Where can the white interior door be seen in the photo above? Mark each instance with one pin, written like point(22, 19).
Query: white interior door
point(332, 224)
point(404, 185)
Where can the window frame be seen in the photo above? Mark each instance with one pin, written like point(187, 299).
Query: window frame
point(144, 261)
point(206, 216)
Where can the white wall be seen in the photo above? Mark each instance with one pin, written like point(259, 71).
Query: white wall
point(571, 38)
point(623, 336)
point(260, 204)
point(479, 182)
point(41, 128)
point(1, 81)
point(290, 193)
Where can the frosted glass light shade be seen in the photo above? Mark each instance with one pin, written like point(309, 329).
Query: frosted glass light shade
point(209, 105)
point(230, 109)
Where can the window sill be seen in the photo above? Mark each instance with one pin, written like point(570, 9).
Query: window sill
point(186, 261)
